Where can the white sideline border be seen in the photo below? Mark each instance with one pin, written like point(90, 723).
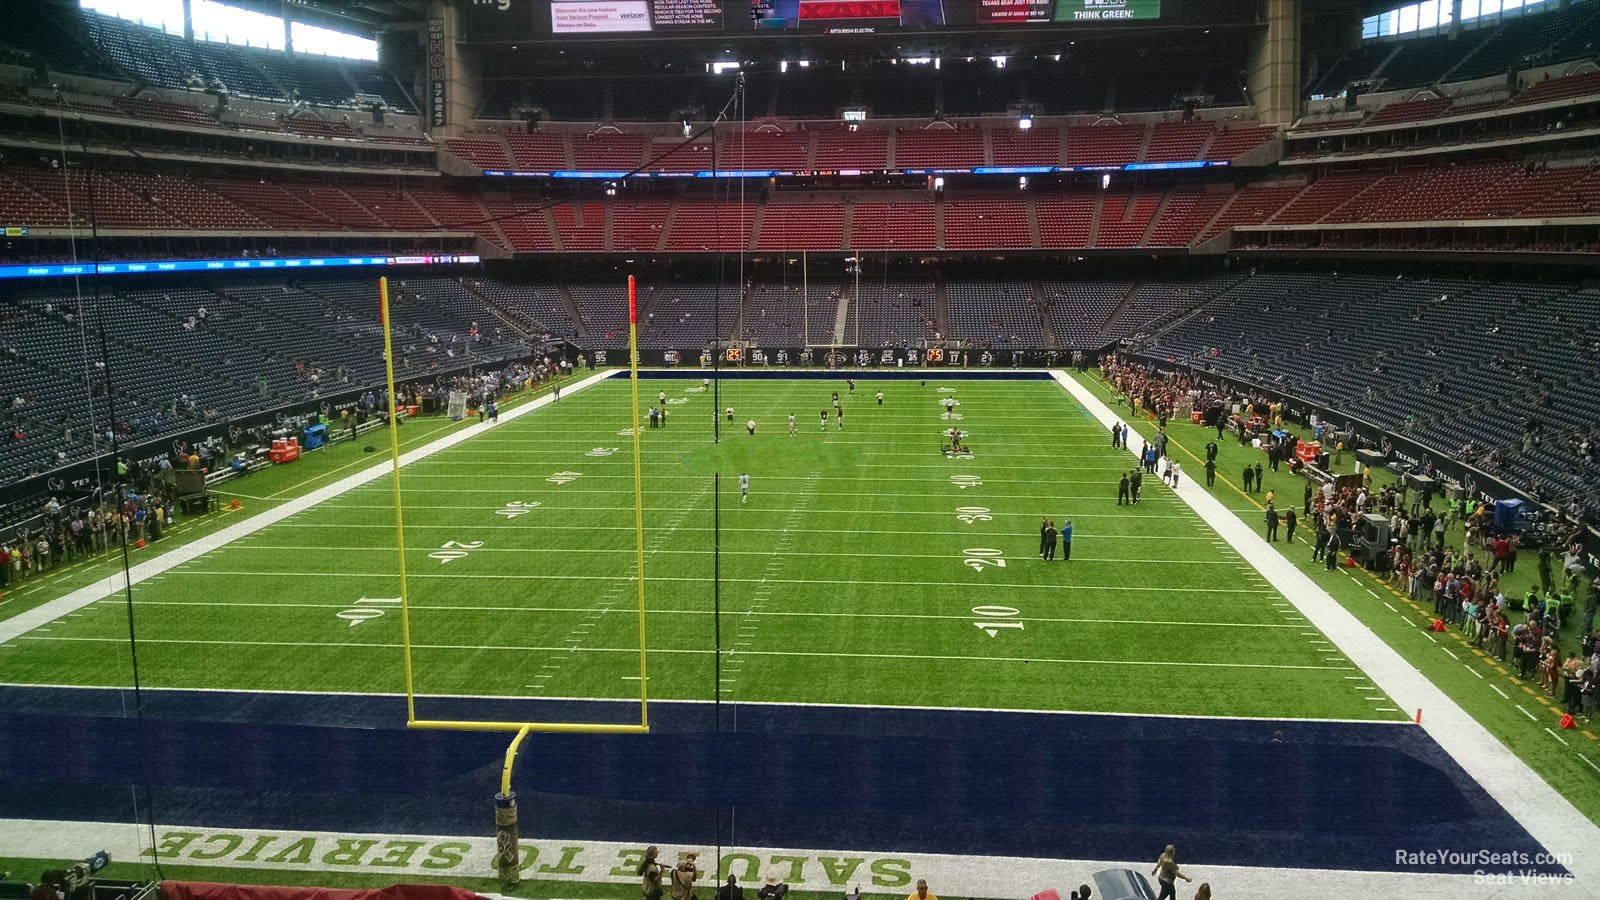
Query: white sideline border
point(1545, 813)
point(24, 622)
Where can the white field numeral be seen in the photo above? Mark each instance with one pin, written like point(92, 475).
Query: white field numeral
point(992, 619)
point(451, 551)
point(563, 478)
point(966, 481)
point(980, 558)
point(601, 451)
point(366, 608)
point(517, 508)
point(971, 514)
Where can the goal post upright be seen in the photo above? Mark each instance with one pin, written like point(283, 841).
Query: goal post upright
point(521, 728)
point(399, 516)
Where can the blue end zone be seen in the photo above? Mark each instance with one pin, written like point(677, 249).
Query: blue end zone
point(1300, 794)
point(857, 374)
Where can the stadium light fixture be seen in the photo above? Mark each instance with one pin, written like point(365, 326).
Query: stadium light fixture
point(999, 61)
point(1025, 121)
point(919, 60)
point(1105, 180)
point(686, 129)
point(717, 68)
point(783, 66)
point(1022, 183)
point(803, 63)
point(938, 184)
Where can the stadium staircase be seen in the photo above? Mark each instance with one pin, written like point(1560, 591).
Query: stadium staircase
point(1041, 299)
point(841, 317)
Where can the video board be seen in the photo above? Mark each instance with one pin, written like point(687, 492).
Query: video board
point(501, 20)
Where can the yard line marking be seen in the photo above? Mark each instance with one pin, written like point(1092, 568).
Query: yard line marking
point(701, 580)
point(24, 622)
point(348, 645)
point(571, 551)
point(1374, 594)
point(1386, 603)
point(1589, 761)
point(1452, 655)
point(1472, 670)
point(1556, 736)
point(1530, 715)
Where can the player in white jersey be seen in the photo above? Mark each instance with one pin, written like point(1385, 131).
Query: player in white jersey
point(751, 425)
point(744, 487)
point(791, 423)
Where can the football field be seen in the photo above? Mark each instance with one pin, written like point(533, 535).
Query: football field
point(867, 567)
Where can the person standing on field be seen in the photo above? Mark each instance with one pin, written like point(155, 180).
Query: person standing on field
point(1123, 495)
point(1135, 483)
point(1272, 522)
point(1050, 534)
point(791, 423)
point(1211, 472)
point(1249, 477)
point(650, 872)
point(1167, 874)
point(684, 877)
point(1289, 521)
point(1066, 540)
point(744, 487)
point(1044, 529)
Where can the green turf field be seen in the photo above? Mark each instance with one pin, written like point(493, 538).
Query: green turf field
point(866, 568)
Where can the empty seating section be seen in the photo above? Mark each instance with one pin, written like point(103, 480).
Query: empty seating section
point(1079, 310)
point(1066, 221)
point(1103, 145)
point(311, 126)
point(801, 226)
point(639, 226)
point(1037, 146)
point(1578, 195)
point(889, 312)
point(1124, 216)
point(681, 315)
point(669, 155)
point(149, 56)
point(1322, 197)
point(1252, 205)
point(1542, 36)
point(483, 152)
point(979, 223)
point(1552, 89)
point(161, 111)
point(1180, 142)
point(1410, 111)
point(395, 209)
point(786, 152)
point(1229, 143)
point(778, 315)
point(938, 148)
point(1397, 363)
point(608, 152)
point(906, 226)
point(582, 226)
point(541, 304)
point(1186, 212)
point(523, 224)
point(840, 148)
point(262, 343)
point(998, 315)
point(711, 226)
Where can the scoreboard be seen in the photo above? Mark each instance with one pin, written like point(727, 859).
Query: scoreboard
point(500, 20)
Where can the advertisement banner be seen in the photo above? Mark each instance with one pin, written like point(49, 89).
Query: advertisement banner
point(1106, 10)
point(599, 16)
point(438, 94)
